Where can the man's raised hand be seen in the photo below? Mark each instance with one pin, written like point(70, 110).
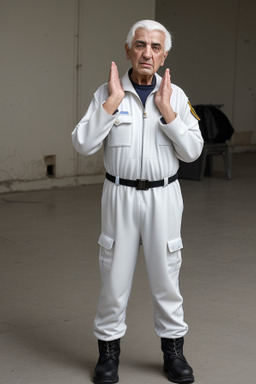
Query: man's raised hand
point(163, 96)
point(115, 91)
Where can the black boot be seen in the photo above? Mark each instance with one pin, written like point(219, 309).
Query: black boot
point(106, 370)
point(175, 364)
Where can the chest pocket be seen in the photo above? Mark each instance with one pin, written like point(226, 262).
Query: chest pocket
point(121, 132)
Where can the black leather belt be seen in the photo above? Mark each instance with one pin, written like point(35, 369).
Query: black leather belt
point(140, 184)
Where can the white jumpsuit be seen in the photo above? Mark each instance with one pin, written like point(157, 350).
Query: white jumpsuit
point(138, 145)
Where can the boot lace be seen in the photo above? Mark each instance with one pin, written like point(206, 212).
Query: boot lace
point(174, 351)
point(109, 352)
point(177, 350)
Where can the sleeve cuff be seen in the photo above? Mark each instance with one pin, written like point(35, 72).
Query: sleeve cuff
point(164, 122)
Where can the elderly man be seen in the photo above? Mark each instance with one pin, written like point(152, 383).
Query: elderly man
point(146, 125)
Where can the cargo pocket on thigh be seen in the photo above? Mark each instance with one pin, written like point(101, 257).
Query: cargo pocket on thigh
point(106, 251)
point(174, 254)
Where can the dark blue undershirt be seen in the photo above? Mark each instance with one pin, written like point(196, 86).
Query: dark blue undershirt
point(144, 90)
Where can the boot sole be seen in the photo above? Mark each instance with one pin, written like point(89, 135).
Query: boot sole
point(186, 380)
point(105, 381)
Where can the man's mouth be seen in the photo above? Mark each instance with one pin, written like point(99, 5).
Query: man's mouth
point(146, 65)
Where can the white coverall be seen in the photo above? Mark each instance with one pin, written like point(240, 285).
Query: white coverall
point(138, 145)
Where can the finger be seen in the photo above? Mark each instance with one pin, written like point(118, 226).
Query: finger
point(110, 72)
point(168, 76)
point(167, 81)
point(114, 72)
point(112, 68)
point(164, 84)
point(161, 84)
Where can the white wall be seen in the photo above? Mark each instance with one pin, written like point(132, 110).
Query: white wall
point(55, 53)
point(41, 97)
point(244, 107)
point(214, 56)
point(37, 76)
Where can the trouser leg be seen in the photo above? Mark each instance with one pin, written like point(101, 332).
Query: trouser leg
point(116, 285)
point(162, 250)
point(118, 256)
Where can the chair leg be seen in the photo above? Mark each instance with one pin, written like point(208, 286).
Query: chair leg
point(203, 164)
point(228, 162)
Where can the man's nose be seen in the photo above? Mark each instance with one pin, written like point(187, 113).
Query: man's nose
point(147, 52)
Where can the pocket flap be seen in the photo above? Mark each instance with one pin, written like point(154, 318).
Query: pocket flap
point(123, 119)
point(106, 241)
point(175, 244)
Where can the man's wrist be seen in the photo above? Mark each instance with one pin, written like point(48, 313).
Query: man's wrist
point(111, 104)
point(169, 115)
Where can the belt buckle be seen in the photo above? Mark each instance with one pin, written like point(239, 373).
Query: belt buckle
point(142, 184)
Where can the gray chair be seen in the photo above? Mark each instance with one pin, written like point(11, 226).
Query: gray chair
point(213, 149)
point(216, 131)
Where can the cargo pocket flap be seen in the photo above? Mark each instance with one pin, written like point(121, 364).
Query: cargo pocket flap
point(106, 241)
point(175, 244)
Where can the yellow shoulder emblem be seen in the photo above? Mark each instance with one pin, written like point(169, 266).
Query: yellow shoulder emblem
point(193, 111)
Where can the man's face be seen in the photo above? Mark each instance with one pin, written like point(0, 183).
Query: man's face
point(146, 54)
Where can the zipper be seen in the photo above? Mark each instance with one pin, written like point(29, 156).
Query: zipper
point(144, 116)
point(142, 142)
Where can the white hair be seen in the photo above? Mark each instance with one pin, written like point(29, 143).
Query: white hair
point(150, 25)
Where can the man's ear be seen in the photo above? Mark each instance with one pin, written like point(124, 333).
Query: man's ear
point(163, 60)
point(128, 51)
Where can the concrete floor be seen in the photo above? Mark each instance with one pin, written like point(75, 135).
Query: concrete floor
point(50, 283)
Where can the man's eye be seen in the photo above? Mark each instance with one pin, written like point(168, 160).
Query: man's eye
point(156, 48)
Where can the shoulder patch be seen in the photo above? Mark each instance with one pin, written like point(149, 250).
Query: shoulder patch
point(193, 111)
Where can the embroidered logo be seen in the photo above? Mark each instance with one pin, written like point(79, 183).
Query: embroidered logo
point(193, 111)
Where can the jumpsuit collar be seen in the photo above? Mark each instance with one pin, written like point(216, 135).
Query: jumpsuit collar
point(128, 87)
